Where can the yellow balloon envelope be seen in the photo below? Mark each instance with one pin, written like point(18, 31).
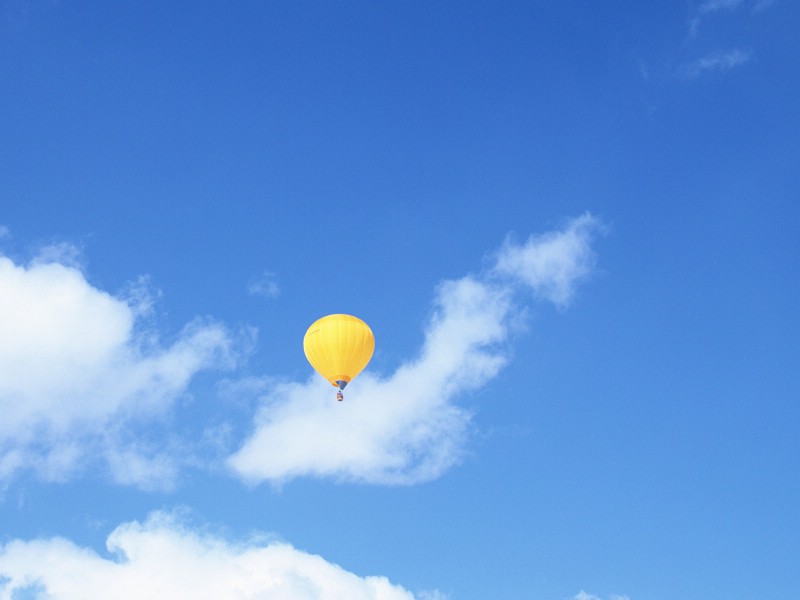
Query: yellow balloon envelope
point(339, 347)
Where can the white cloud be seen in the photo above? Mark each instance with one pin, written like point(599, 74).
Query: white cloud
point(162, 558)
point(710, 6)
point(586, 596)
point(719, 61)
point(763, 5)
point(77, 366)
point(708, 9)
point(553, 263)
point(432, 595)
point(265, 285)
point(406, 427)
point(63, 253)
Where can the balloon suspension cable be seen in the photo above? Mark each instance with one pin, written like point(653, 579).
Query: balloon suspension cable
point(341, 383)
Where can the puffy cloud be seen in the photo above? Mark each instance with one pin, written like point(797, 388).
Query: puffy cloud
point(82, 377)
point(406, 427)
point(77, 365)
point(553, 263)
point(162, 558)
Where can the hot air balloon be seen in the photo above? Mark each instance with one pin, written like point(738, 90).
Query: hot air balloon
point(339, 347)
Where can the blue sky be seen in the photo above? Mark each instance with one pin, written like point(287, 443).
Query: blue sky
point(572, 228)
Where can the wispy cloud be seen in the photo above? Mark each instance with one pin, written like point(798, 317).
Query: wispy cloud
point(551, 264)
point(163, 558)
point(718, 61)
point(78, 365)
point(432, 595)
point(582, 595)
point(407, 427)
point(711, 6)
point(264, 285)
point(708, 8)
point(763, 5)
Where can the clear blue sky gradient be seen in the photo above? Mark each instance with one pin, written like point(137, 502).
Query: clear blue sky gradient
point(644, 441)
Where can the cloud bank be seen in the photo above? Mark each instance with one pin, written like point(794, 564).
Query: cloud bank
point(406, 427)
point(162, 558)
point(84, 380)
point(78, 366)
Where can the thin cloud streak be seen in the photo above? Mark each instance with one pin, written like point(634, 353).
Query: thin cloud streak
point(407, 428)
point(720, 61)
point(711, 6)
point(708, 9)
point(763, 5)
point(582, 595)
